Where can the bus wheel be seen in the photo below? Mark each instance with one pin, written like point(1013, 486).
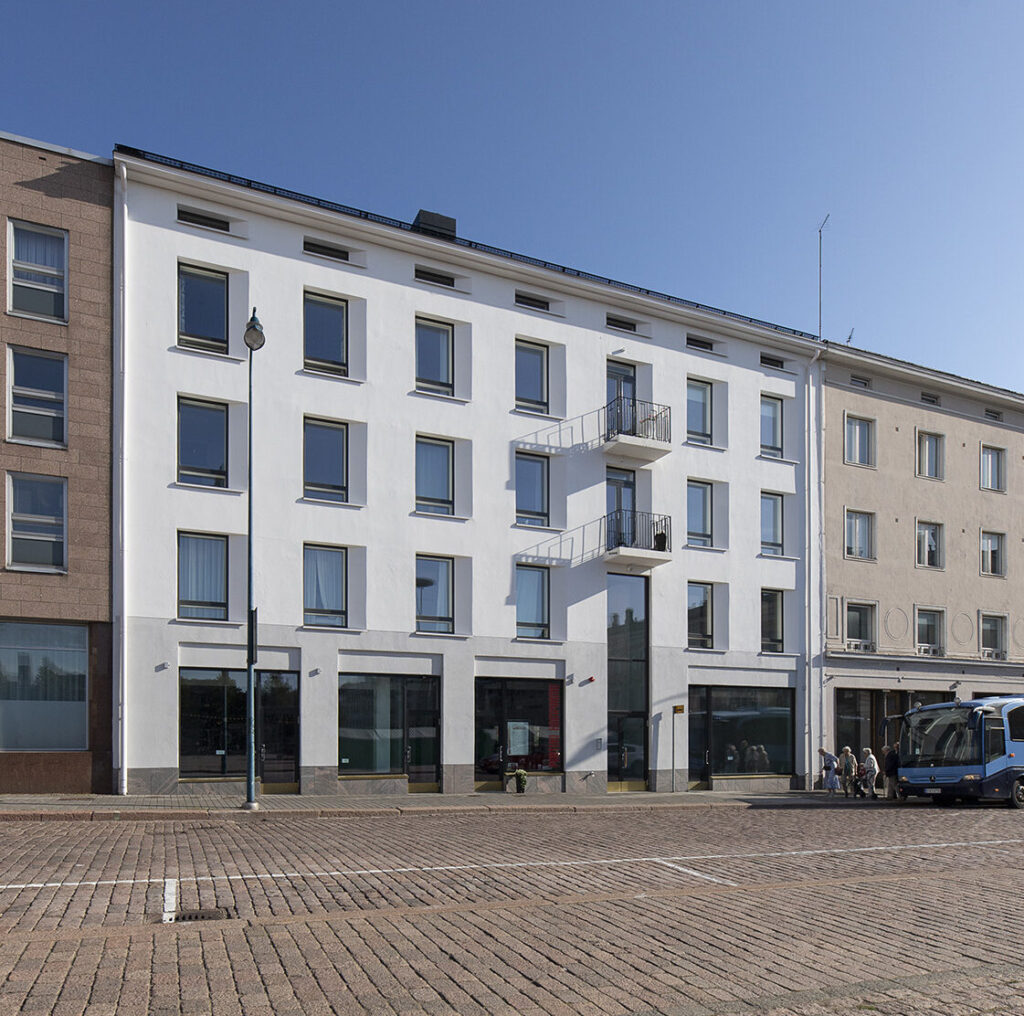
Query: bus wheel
point(1017, 794)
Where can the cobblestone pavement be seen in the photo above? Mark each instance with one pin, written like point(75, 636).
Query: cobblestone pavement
point(799, 911)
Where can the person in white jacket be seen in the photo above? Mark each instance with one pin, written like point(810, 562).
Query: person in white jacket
point(870, 764)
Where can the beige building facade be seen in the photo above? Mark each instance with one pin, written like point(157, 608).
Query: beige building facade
point(924, 548)
point(55, 377)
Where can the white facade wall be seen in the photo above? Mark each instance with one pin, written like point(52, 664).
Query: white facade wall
point(268, 269)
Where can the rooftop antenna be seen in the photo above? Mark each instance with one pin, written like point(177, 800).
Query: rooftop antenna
point(820, 228)
point(849, 338)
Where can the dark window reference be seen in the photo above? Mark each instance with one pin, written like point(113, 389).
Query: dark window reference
point(202, 309)
point(435, 481)
point(531, 490)
point(531, 377)
point(325, 460)
point(434, 354)
point(199, 219)
point(532, 611)
point(437, 278)
point(533, 302)
point(202, 443)
point(37, 396)
point(699, 619)
point(325, 331)
point(771, 621)
point(772, 361)
point(518, 726)
point(37, 521)
point(623, 324)
point(325, 250)
point(435, 594)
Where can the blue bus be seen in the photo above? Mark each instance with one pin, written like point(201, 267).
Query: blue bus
point(971, 751)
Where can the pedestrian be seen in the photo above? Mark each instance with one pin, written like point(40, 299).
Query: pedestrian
point(830, 781)
point(891, 766)
point(870, 772)
point(848, 771)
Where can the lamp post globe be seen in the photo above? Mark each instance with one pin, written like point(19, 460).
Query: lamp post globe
point(254, 337)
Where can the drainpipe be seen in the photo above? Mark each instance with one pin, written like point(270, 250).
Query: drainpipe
point(813, 478)
point(118, 439)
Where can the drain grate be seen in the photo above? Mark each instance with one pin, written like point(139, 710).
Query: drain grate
point(207, 914)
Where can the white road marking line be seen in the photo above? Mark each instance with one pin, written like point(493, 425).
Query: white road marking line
point(698, 874)
point(499, 865)
point(170, 900)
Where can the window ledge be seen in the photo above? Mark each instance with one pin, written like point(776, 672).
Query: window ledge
point(441, 635)
point(206, 353)
point(779, 459)
point(327, 501)
point(862, 560)
point(331, 628)
point(542, 642)
point(440, 396)
point(437, 515)
point(992, 575)
point(707, 550)
point(860, 465)
point(329, 375)
point(779, 656)
point(705, 352)
point(535, 414)
point(536, 529)
point(37, 443)
point(206, 622)
point(36, 569)
point(930, 567)
point(707, 447)
point(993, 490)
point(934, 479)
point(178, 485)
point(778, 557)
point(38, 317)
point(705, 651)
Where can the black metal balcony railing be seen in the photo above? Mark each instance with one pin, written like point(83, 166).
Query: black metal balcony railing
point(637, 418)
point(640, 530)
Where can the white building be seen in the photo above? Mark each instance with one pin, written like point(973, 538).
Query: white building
point(506, 514)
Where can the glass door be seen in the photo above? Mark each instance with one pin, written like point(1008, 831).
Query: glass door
point(700, 748)
point(277, 732)
point(422, 734)
point(621, 394)
point(620, 503)
point(627, 752)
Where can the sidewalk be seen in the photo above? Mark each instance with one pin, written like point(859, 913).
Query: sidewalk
point(184, 805)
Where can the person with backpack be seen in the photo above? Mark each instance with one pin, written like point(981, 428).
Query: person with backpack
point(870, 764)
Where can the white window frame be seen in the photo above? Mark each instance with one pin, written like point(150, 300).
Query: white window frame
point(29, 567)
point(927, 648)
point(774, 451)
point(774, 548)
point(1001, 458)
point(872, 549)
point(940, 545)
point(1001, 550)
point(923, 437)
point(709, 505)
point(861, 645)
point(1000, 651)
point(871, 451)
point(35, 394)
point(38, 269)
point(706, 438)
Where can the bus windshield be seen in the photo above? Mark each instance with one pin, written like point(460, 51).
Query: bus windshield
point(939, 737)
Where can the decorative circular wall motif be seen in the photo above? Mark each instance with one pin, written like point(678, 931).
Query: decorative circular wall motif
point(962, 629)
point(896, 623)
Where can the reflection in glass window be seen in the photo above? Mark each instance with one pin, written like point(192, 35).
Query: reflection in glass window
point(531, 377)
point(929, 629)
point(38, 389)
point(325, 333)
point(698, 513)
point(212, 723)
point(771, 524)
point(929, 544)
point(37, 521)
point(860, 623)
point(859, 536)
point(532, 609)
point(860, 441)
point(698, 412)
point(323, 597)
point(929, 455)
point(203, 576)
point(771, 426)
point(993, 554)
point(434, 594)
point(771, 621)
point(434, 357)
point(993, 473)
point(747, 730)
point(325, 460)
point(699, 620)
point(202, 443)
point(531, 490)
point(518, 726)
point(202, 309)
point(993, 633)
point(435, 481)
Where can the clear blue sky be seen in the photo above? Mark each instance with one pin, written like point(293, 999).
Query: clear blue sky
point(688, 147)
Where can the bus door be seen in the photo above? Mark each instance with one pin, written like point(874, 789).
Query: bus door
point(995, 745)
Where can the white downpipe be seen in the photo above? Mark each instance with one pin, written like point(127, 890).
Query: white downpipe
point(118, 571)
point(812, 479)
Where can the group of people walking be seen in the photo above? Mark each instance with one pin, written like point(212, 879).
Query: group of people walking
point(859, 778)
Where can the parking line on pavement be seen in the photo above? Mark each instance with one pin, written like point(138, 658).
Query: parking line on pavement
point(699, 874)
point(505, 865)
point(170, 899)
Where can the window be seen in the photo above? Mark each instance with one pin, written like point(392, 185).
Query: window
point(775, 362)
point(860, 627)
point(38, 395)
point(698, 412)
point(931, 399)
point(202, 443)
point(202, 309)
point(993, 554)
point(436, 278)
point(203, 576)
point(518, 725)
point(434, 342)
point(929, 455)
point(858, 381)
point(859, 534)
point(324, 581)
point(739, 730)
point(325, 460)
point(860, 441)
point(698, 612)
point(192, 218)
point(325, 250)
point(993, 636)
point(531, 490)
point(434, 594)
point(623, 324)
point(531, 377)
point(532, 302)
point(44, 702)
point(993, 470)
point(929, 632)
point(994, 414)
point(211, 739)
point(771, 524)
point(38, 270)
point(532, 612)
point(325, 333)
point(771, 427)
point(698, 513)
point(929, 545)
point(771, 621)
point(695, 342)
point(1016, 721)
point(37, 521)
point(435, 481)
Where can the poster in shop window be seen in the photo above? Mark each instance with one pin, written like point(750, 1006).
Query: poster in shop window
point(518, 738)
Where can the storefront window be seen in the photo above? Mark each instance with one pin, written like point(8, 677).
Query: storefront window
point(747, 730)
point(212, 739)
point(870, 718)
point(43, 687)
point(518, 726)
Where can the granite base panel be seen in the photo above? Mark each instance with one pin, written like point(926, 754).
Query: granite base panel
point(398, 785)
point(152, 781)
point(537, 783)
point(661, 781)
point(757, 784)
point(583, 781)
point(457, 779)
point(318, 780)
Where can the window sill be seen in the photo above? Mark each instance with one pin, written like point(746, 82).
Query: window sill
point(705, 446)
point(440, 635)
point(783, 655)
point(328, 502)
point(206, 622)
point(330, 375)
point(544, 642)
point(535, 414)
point(777, 557)
point(863, 560)
point(934, 479)
point(700, 547)
point(37, 443)
point(331, 628)
point(536, 529)
point(930, 567)
point(440, 396)
point(991, 575)
point(443, 286)
point(233, 491)
point(36, 569)
point(712, 651)
point(860, 465)
point(437, 515)
point(777, 458)
point(195, 351)
point(992, 490)
point(38, 317)
point(705, 352)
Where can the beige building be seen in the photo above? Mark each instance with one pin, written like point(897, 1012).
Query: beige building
point(55, 369)
point(924, 562)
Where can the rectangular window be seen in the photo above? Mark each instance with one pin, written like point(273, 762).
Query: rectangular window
point(771, 524)
point(771, 427)
point(929, 455)
point(202, 443)
point(532, 490)
point(993, 554)
point(929, 632)
point(533, 619)
point(44, 702)
point(532, 302)
point(741, 730)
point(698, 614)
point(860, 534)
point(435, 479)
point(531, 377)
point(698, 412)
point(436, 278)
point(202, 309)
point(325, 333)
point(698, 514)
point(623, 324)
point(324, 575)
point(325, 460)
point(434, 357)
point(38, 395)
point(994, 414)
point(929, 545)
point(203, 576)
point(931, 399)
point(37, 521)
point(704, 345)
point(860, 382)
point(771, 621)
point(993, 469)
point(38, 270)
point(993, 636)
point(324, 250)
point(860, 441)
point(860, 627)
point(191, 218)
point(435, 597)
point(518, 726)
point(775, 362)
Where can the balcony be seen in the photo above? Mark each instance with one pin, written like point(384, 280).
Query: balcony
point(637, 539)
point(637, 430)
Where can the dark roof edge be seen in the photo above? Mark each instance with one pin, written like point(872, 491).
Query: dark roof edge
point(484, 248)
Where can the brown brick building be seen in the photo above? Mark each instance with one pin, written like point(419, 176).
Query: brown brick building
point(56, 715)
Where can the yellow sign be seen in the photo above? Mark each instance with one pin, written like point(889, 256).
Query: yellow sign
point(679, 709)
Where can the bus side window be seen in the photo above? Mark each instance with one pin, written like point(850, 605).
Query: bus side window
point(1016, 718)
point(995, 738)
